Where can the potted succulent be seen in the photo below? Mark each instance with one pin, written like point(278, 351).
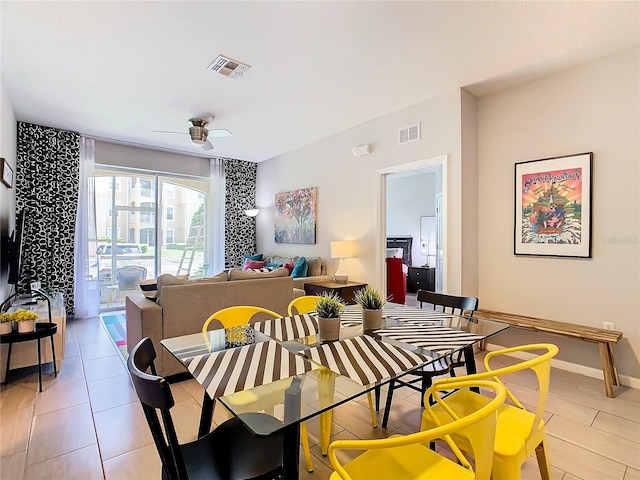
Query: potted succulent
point(25, 319)
point(329, 307)
point(371, 301)
point(6, 323)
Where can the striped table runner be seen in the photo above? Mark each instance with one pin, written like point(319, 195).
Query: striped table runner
point(430, 337)
point(364, 359)
point(228, 371)
point(288, 328)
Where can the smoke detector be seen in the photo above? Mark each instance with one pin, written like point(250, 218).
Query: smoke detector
point(228, 67)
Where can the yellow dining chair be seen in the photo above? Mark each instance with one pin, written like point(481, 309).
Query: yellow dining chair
point(236, 316)
point(518, 432)
point(408, 457)
point(306, 304)
point(267, 395)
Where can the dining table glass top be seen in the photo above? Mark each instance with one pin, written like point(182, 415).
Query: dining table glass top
point(282, 366)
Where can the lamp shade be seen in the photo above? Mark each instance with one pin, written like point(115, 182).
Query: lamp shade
point(343, 249)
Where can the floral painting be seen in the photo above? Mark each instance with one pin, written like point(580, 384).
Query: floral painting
point(295, 216)
point(553, 206)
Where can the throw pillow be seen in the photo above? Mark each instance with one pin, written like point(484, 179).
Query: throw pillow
point(289, 265)
point(257, 257)
point(300, 268)
point(252, 265)
point(273, 265)
point(149, 288)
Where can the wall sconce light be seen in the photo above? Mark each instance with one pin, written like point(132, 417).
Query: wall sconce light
point(252, 212)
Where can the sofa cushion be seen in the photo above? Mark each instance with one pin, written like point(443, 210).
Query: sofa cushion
point(150, 287)
point(314, 266)
point(252, 265)
point(257, 257)
point(237, 274)
point(167, 279)
point(300, 268)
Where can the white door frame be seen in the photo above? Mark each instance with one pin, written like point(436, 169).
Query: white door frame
point(381, 211)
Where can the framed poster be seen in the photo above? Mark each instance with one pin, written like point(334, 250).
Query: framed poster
point(553, 206)
point(7, 173)
point(295, 216)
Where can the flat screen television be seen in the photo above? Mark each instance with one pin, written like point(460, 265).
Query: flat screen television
point(16, 248)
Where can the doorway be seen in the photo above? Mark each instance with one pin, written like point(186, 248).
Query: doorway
point(412, 204)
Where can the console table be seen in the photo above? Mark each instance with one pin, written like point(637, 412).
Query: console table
point(345, 290)
point(42, 330)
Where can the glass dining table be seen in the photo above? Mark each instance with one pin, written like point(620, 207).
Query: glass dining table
point(283, 367)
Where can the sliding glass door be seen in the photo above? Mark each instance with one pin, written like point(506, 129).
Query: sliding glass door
point(146, 224)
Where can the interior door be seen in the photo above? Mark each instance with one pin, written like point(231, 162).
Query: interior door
point(439, 245)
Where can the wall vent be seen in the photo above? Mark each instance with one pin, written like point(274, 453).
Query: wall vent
point(409, 134)
point(228, 67)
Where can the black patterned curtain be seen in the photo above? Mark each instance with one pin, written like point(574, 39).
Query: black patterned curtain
point(47, 180)
point(240, 194)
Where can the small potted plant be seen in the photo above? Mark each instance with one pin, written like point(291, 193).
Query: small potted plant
point(25, 319)
point(371, 301)
point(6, 323)
point(329, 307)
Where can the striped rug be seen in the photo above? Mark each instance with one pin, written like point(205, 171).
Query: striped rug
point(116, 325)
point(241, 368)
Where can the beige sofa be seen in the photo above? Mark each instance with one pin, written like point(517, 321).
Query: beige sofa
point(182, 306)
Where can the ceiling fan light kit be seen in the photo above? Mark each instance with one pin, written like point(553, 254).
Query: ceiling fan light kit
point(199, 132)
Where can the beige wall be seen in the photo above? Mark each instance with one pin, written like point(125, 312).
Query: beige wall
point(347, 190)
point(8, 134)
point(592, 108)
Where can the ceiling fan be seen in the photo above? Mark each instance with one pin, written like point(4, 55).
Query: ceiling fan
point(199, 132)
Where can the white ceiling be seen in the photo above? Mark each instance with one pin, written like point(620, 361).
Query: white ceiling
point(119, 70)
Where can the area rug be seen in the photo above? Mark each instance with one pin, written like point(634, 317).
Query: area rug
point(117, 328)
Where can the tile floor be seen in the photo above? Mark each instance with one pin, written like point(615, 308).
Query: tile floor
point(88, 424)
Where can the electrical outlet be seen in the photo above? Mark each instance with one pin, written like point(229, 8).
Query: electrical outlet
point(608, 326)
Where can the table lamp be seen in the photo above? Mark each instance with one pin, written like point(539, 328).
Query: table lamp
point(342, 250)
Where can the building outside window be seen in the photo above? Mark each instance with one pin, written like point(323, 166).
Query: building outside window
point(169, 236)
point(169, 213)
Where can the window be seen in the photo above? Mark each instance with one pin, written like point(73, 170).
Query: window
point(168, 190)
point(146, 187)
point(169, 213)
point(146, 216)
point(169, 237)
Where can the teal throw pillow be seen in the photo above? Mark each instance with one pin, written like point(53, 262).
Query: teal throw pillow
point(300, 268)
point(273, 265)
point(257, 257)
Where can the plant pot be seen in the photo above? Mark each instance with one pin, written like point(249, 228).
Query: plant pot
point(26, 326)
point(6, 327)
point(371, 319)
point(329, 328)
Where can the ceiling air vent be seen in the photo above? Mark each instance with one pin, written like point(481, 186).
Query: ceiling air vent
point(410, 133)
point(228, 67)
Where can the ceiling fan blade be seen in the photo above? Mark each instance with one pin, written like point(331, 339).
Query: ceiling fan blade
point(165, 131)
point(207, 145)
point(219, 132)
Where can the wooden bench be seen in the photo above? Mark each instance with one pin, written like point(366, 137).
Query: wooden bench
point(604, 338)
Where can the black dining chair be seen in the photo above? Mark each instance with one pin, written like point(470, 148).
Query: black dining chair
point(444, 365)
point(230, 451)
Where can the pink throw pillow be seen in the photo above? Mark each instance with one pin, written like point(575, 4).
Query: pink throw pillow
point(251, 264)
point(289, 266)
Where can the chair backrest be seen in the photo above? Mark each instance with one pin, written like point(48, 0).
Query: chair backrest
point(239, 315)
point(540, 365)
point(482, 421)
point(304, 304)
point(448, 303)
point(128, 277)
point(155, 394)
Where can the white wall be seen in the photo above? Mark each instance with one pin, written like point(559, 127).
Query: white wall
point(8, 135)
point(347, 191)
point(592, 108)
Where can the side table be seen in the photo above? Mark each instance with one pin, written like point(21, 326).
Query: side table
point(345, 290)
point(43, 330)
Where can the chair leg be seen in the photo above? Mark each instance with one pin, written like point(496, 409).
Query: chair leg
point(543, 461)
point(387, 407)
point(304, 439)
point(378, 392)
point(374, 419)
